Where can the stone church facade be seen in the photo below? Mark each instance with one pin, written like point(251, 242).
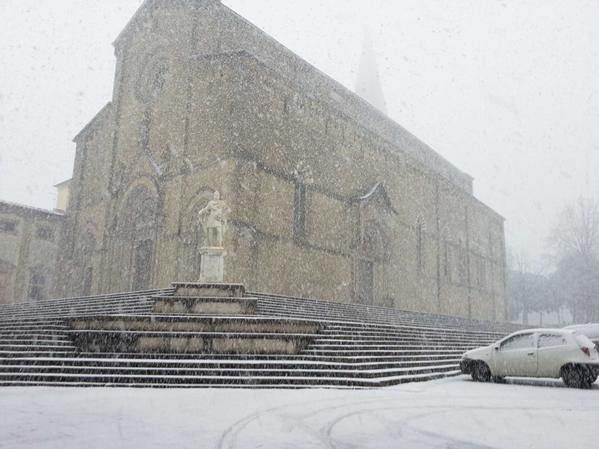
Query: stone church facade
point(329, 198)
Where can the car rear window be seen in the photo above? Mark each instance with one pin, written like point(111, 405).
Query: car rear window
point(551, 340)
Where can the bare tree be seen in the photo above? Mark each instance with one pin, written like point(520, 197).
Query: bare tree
point(575, 240)
point(577, 232)
point(528, 292)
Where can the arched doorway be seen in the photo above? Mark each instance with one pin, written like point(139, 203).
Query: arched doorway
point(134, 245)
point(369, 257)
point(374, 217)
point(142, 264)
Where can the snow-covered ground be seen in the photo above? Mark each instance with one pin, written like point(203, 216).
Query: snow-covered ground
point(452, 413)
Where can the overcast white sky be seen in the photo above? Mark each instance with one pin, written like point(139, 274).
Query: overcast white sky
point(507, 90)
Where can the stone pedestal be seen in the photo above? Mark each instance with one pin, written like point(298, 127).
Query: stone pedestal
point(212, 265)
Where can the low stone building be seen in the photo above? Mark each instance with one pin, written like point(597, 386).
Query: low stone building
point(329, 197)
point(28, 252)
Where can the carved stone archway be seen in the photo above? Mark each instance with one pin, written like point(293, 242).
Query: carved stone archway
point(374, 214)
point(135, 237)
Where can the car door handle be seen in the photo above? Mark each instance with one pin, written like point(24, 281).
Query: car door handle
point(531, 353)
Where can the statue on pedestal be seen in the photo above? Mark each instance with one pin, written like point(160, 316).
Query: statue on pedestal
point(213, 219)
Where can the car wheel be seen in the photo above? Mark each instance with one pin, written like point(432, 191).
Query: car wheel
point(481, 372)
point(576, 376)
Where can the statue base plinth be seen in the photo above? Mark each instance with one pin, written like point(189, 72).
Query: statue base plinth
point(212, 265)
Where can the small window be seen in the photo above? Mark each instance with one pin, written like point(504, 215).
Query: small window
point(546, 341)
point(299, 211)
point(8, 226)
point(446, 259)
point(481, 278)
point(88, 277)
point(45, 233)
point(286, 105)
point(419, 248)
point(462, 265)
point(518, 342)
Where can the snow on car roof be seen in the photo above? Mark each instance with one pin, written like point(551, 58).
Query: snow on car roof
point(543, 329)
point(591, 330)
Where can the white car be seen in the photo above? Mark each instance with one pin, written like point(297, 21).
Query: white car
point(536, 353)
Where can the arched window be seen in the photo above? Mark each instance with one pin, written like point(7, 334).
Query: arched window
point(303, 178)
point(152, 77)
point(372, 245)
point(419, 247)
point(86, 253)
point(299, 211)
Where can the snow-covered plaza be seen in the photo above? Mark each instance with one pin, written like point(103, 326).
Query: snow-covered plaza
point(450, 413)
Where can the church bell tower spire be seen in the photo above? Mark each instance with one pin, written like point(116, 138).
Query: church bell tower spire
point(368, 82)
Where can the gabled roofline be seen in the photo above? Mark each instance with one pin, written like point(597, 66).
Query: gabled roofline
point(99, 116)
point(365, 107)
point(378, 188)
point(121, 36)
point(60, 184)
point(139, 14)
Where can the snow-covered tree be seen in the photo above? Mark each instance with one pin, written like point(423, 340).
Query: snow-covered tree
point(575, 241)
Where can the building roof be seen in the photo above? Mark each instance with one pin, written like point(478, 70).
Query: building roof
point(7, 206)
point(102, 113)
point(63, 183)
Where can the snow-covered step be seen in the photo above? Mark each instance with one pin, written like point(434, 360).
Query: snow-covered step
point(35, 341)
point(315, 371)
point(386, 348)
point(398, 340)
point(230, 363)
point(352, 346)
point(124, 379)
point(381, 352)
point(36, 346)
point(85, 384)
point(30, 352)
point(360, 327)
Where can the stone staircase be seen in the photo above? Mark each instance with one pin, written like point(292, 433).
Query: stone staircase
point(217, 335)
